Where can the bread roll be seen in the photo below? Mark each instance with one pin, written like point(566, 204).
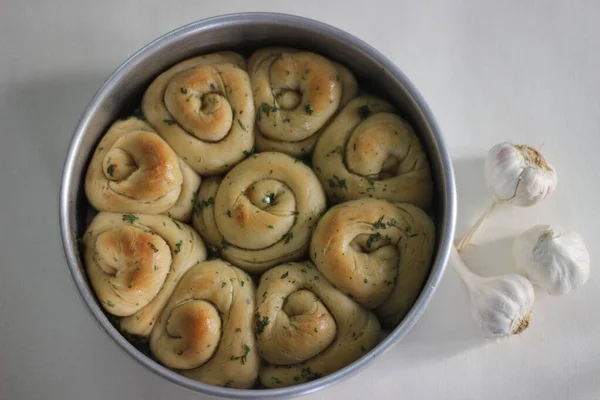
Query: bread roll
point(295, 94)
point(262, 212)
point(306, 328)
point(134, 170)
point(203, 108)
point(206, 330)
point(368, 151)
point(134, 262)
point(377, 252)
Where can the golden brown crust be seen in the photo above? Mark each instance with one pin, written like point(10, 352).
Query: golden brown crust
point(368, 151)
point(203, 108)
point(377, 252)
point(134, 261)
point(262, 212)
point(306, 328)
point(206, 329)
point(134, 170)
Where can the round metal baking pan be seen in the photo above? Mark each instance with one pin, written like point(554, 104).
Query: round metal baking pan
point(244, 32)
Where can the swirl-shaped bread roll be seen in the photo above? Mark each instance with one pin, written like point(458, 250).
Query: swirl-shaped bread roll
point(203, 108)
point(295, 94)
point(134, 170)
point(306, 328)
point(206, 329)
point(377, 252)
point(134, 262)
point(369, 151)
point(262, 213)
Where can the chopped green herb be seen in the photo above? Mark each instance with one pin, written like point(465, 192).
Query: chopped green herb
point(308, 108)
point(285, 275)
point(365, 280)
point(316, 277)
point(223, 284)
point(379, 224)
point(111, 169)
point(242, 283)
point(241, 124)
point(183, 90)
point(109, 303)
point(339, 183)
point(392, 222)
point(225, 244)
point(176, 224)
point(316, 330)
point(271, 227)
point(229, 213)
point(248, 153)
point(373, 238)
point(129, 218)
point(178, 247)
point(198, 205)
point(153, 247)
point(269, 199)
point(261, 324)
point(288, 236)
point(180, 352)
point(266, 108)
point(238, 329)
point(371, 182)
point(169, 122)
point(100, 148)
point(276, 380)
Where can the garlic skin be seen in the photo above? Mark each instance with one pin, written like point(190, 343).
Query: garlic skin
point(553, 258)
point(519, 174)
point(501, 305)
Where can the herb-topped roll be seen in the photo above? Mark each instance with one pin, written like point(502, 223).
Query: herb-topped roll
point(206, 330)
point(203, 108)
point(134, 170)
point(134, 262)
point(369, 151)
point(295, 94)
point(306, 328)
point(377, 252)
point(262, 212)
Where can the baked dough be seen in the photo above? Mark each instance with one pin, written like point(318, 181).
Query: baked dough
point(134, 170)
point(296, 93)
point(306, 328)
point(203, 108)
point(134, 262)
point(368, 151)
point(206, 330)
point(262, 212)
point(377, 252)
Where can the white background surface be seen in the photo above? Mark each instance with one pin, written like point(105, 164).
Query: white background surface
point(491, 71)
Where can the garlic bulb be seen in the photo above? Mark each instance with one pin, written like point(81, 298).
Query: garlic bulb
point(518, 175)
point(553, 258)
point(501, 305)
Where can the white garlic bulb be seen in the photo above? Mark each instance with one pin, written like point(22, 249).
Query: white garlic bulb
point(519, 174)
point(553, 258)
point(501, 305)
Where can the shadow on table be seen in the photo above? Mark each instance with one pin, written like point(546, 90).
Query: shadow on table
point(49, 109)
